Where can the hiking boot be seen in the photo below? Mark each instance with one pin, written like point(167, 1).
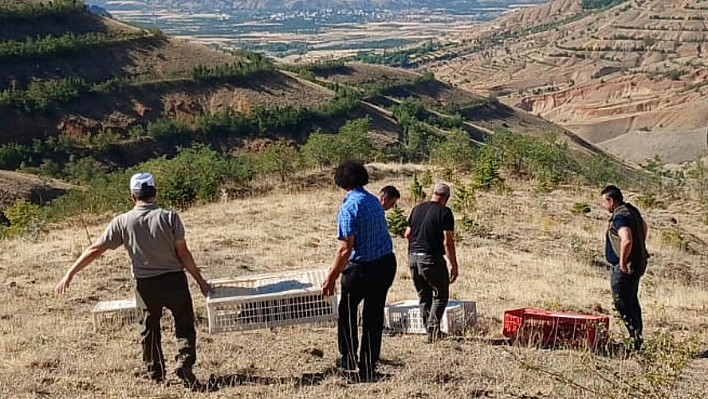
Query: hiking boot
point(187, 376)
point(346, 363)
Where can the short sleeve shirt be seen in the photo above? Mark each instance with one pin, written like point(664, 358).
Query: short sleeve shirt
point(362, 216)
point(428, 222)
point(618, 222)
point(149, 234)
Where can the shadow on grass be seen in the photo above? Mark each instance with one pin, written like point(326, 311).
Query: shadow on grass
point(217, 382)
point(612, 349)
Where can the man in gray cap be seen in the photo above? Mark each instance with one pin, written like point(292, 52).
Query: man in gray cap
point(430, 235)
point(154, 239)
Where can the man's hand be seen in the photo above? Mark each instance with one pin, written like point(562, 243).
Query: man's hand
point(626, 268)
point(63, 284)
point(454, 273)
point(89, 255)
point(329, 284)
point(205, 287)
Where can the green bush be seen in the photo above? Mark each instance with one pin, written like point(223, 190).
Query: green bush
point(417, 193)
point(65, 44)
point(580, 208)
point(397, 221)
point(279, 158)
point(675, 238)
point(485, 170)
point(454, 152)
point(544, 160)
point(351, 142)
point(647, 200)
point(463, 198)
point(598, 170)
point(194, 175)
point(427, 179)
point(30, 11)
point(26, 220)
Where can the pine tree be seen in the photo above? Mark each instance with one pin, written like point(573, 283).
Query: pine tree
point(397, 221)
point(417, 192)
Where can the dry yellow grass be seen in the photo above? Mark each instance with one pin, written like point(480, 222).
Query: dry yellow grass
point(537, 254)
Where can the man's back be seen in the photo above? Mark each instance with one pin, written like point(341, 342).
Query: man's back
point(362, 216)
point(626, 215)
point(427, 223)
point(149, 234)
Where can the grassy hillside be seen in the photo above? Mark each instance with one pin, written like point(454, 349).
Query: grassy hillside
point(524, 249)
point(88, 99)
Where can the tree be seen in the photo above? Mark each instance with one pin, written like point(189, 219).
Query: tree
point(397, 221)
point(278, 158)
point(455, 152)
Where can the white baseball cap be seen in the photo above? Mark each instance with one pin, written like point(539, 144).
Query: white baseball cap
point(139, 180)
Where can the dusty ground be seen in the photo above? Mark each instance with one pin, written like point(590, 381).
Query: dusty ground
point(530, 251)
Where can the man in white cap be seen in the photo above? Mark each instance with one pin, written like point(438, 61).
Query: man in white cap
point(430, 235)
point(154, 239)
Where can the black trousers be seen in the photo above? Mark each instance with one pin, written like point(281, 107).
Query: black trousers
point(367, 282)
point(432, 281)
point(169, 291)
point(625, 290)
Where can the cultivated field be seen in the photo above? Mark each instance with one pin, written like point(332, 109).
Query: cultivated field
point(529, 249)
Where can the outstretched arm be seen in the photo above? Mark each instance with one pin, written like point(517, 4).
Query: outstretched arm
point(89, 255)
point(185, 256)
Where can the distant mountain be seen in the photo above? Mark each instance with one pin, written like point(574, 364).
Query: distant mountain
point(314, 5)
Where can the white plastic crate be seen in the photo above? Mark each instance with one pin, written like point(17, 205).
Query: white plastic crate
point(404, 317)
point(269, 300)
point(120, 312)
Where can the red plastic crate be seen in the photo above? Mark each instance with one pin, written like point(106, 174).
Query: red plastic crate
point(549, 327)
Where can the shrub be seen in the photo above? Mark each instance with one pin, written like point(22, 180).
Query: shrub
point(351, 142)
point(454, 152)
point(675, 238)
point(647, 200)
point(427, 179)
point(485, 171)
point(417, 192)
point(194, 175)
point(463, 198)
point(279, 158)
point(26, 220)
point(397, 221)
point(598, 170)
point(580, 208)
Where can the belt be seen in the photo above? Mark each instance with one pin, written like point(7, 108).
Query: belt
point(423, 254)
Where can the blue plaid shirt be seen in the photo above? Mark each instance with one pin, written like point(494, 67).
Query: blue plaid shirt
point(362, 216)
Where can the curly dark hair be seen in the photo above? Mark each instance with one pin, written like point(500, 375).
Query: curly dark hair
point(351, 173)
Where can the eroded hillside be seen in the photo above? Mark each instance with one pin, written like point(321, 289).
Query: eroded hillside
point(629, 77)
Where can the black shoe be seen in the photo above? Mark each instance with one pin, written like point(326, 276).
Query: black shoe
point(370, 375)
point(187, 376)
point(347, 363)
